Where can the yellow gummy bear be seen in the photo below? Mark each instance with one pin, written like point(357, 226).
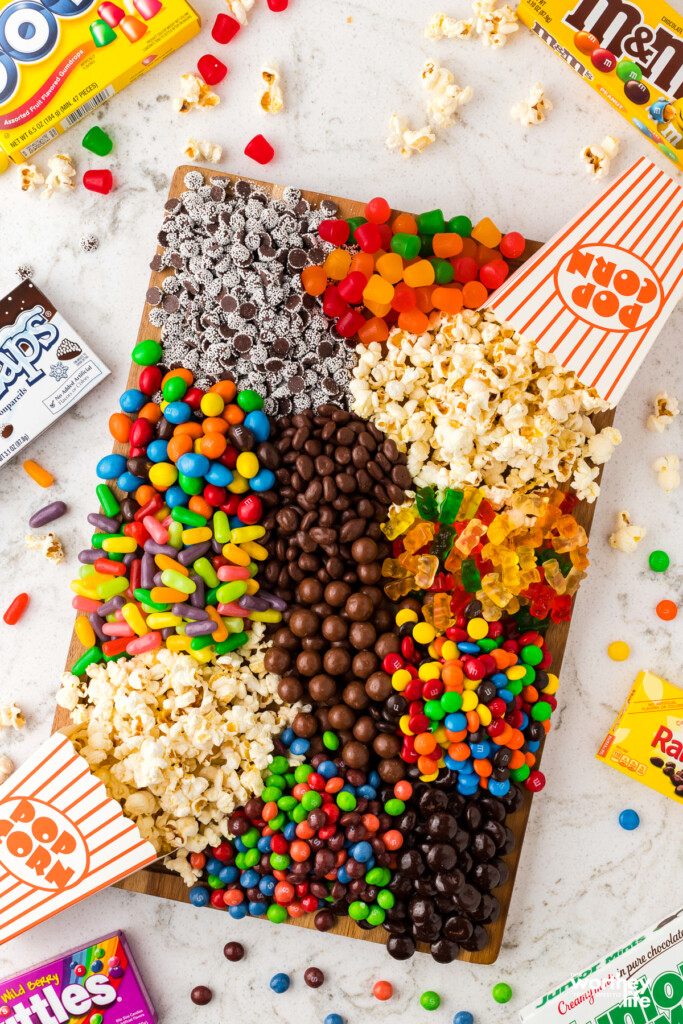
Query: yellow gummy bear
point(428, 568)
point(553, 575)
point(399, 588)
point(418, 535)
point(495, 591)
point(398, 522)
point(472, 498)
point(392, 568)
point(579, 558)
point(499, 529)
point(489, 611)
point(470, 537)
point(572, 580)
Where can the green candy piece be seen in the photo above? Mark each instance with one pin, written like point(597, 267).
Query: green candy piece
point(215, 882)
point(287, 802)
point(211, 595)
point(434, 710)
point(276, 913)
point(311, 800)
point(103, 34)
point(488, 644)
point(98, 539)
point(249, 401)
point(378, 876)
point(407, 246)
point(358, 910)
point(110, 505)
point(541, 711)
point(346, 801)
point(85, 571)
point(175, 535)
point(185, 515)
point(98, 953)
point(97, 141)
point(376, 916)
point(330, 741)
point(278, 822)
point(251, 858)
point(521, 773)
point(115, 657)
point(431, 222)
point(191, 484)
point(627, 71)
point(502, 992)
point(430, 1000)
point(198, 643)
point(426, 246)
point(174, 389)
point(529, 676)
point(290, 780)
point(278, 781)
point(231, 644)
point(443, 542)
point(251, 838)
point(354, 223)
point(279, 861)
point(299, 814)
point(443, 270)
point(386, 899)
point(147, 353)
point(394, 807)
point(144, 598)
point(531, 655)
point(460, 226)
point(659, 561)
point(301, 772)
point(515, 686)
point(449, 505)
point(450, 702)
point(425, 499)
point(270, 793)
point(471, 580)
point(279, 765)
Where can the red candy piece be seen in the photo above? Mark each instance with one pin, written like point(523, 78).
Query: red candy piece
point(404, 297)
point(605, 61)
point(352, 286)
point(99, 181)
point(224, 28)
point(377, 210)
point(512, 245)
point(231, 505)
point(432, 689)
point(334, 231)
point(224, 852)
point(465, 268)
point(279, 844)
point(474, 669)
point(493, 274)
point(150, 380)
point(350, 323)
point(215, 495)
point(535, 782)
point(368, 237)
point(229, 459)
point(16, 609)
point(141, 433)
point(392, 663)
point(211, 69)
point(217, 898)
point(260, 150)
point(385, 235)
point(250, 510)
point(333, 303)
point(193, 397)
point(497, 708)
point(413, 690)
point(278, 5)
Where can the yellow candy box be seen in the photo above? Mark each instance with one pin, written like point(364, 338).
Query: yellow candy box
point(646, 740)
point(60, 59)
point(629, 51)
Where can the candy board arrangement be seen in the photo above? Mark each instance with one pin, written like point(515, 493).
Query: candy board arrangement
point(155, 879)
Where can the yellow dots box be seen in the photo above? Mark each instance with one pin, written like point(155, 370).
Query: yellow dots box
point(646, 740)
point(60, 59)
point(629, 51)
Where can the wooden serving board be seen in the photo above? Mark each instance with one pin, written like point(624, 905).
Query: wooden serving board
point(156, 880)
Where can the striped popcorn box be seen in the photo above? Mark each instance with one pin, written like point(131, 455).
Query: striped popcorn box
point(61, 838)
point(597, 294)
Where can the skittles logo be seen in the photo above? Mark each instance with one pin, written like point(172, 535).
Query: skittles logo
point(608, 287)
point(29, 32)
point(39, 845)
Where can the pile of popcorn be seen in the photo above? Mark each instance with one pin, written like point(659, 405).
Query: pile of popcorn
point(471, 401)
point(179, 744)
point(444, 99)
point(492, 24)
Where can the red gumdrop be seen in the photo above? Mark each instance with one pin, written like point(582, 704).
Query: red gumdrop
point(150, 380)
point(334, 231)
point(141, 433)
point(493, 274)
point(385, 234)
point(250, 510)
point(99, 181)
point(512, 245)
point(211, 69)
point(377, 210)
point(465, 268)
point(404, 297)
point(224, 28)
point(368, 237)
point(349, 323)
point(260, 150)
point(352, 286)
point(333, 304)
point(278, 5)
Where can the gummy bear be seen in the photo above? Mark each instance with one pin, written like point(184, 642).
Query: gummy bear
point(392, 568)
point(579, 559)
point(471, 580)
point(570, 542)
point(553, 575)
point(527, 558)
point(418, 536)
point(471, 500)
point(399, 588)
point(486, 512)
point(499, 529)
point(428, 567)
point(398, 522)
point(561, 609)
point(452, 563)
point(470, 537)
point(443, 618)
point(572, 580)
point(493, 588)
point(443, 542)
point(425, 499)
point(489, 611)
point(450, 505)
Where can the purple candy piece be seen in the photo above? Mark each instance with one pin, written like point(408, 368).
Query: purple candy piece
point(116, 972)
point(187, 611)
point(201, 628)
point(217, 546)
point(47, 514)
point(95, 621)
point(89, 555)
point(112, 605)
point(152, 548)
point(129, 558)
point(147, 572)
point(189, 555)
point(197, 599)
point(157, 580)
point(167, 631)
point(275, 602)
point(253, 603)
point(104, 523)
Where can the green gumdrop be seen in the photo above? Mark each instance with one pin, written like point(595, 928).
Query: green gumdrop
point(354, 222)
point(97, 141)
point(460, 226)
point(431, 223)
point(102, 33)
point(407, 246)
point(147, 353)
point(443, 270)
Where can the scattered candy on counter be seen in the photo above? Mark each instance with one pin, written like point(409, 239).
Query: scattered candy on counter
point(659, 561)
point(16, 609)
point(629, 820)
point(383, 990)
point(201, 995)
point(280, 983)
point(618, 650)
point(430, 1000)
point(502, 993)
point(667, 610)
point(37, 473)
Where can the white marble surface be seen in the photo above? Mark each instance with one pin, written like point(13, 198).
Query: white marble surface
point(583, 884)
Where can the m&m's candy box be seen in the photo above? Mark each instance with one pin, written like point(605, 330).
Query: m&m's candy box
point(629, 51)
point(60, 59)
point(99, 983)
point(646, 740)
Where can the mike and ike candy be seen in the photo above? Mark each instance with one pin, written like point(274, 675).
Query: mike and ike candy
point(631, 53)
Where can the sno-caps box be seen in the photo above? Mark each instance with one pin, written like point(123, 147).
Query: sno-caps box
point(62, 838)
point(597, 294)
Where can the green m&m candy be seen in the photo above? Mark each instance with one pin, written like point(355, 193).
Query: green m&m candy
point(627, 71)
point(147, 353)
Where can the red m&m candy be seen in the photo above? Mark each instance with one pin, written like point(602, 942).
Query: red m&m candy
point(603, 60)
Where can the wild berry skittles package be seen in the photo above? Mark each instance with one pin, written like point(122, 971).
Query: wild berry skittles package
point(60, 59)
point(630, 52)
point(99, 982)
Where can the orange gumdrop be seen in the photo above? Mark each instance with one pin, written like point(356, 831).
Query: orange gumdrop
point(144, 493)
point(150, 411)
point(419, 274)
point(486, 255)
point(469, 248)
point(414, 321)
point(225, 388)
point(180, 372)
point(119, 426)
point(337, 264)
point(486, 232)
point(179, 444)
point(423, 298)
point(447, 298)
point(378, 309)
point(404, 224)
point(364, 263)
point(212, 445)
point(390, 266)
point(375, 329)
point(214, 425)
point(474, 294)
point(233, 415)
point(200, 506)
point(446, 244)
point(314, 280)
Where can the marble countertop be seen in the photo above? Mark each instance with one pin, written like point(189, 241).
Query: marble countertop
point(584, 884)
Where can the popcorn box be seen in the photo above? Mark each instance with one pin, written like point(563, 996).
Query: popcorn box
point(101, 980)
point(597, 294)
point(629, 51)
point(646, 740)
point(638, 983)
point(61, 838)
point(60, 59)
point(45, 367)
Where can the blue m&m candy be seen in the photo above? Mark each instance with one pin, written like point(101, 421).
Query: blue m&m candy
point(280, 983)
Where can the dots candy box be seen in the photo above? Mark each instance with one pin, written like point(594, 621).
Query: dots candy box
point(100, 980)
point(60, 59)
point(629, 52)
point(639, 983)
point(646, 740)
point(45, 367)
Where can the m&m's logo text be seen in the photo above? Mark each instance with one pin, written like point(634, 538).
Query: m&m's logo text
point(39, 845)
point(608, 287)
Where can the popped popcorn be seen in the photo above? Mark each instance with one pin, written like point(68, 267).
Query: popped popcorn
point(239, 9)
point(201, 150)
point(195, 93)
point(59, 179)
point(11, 716)
point(666, 409)
point(271, 99)
point(48, 544)
point(627, 535)
point(494, 24)
point(596, 159)
point(445, 96)
point(440, 26)
point(471, 401)
point(6, 768)
point(178, 743)
point(407, 141)
point(532, 111)
point(30, 178)
point(666, 467)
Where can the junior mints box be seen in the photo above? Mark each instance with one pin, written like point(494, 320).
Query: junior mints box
point(641, 982)
point(60, 59)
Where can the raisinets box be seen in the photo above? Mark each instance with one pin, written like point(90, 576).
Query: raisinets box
point(629, 51)
point(646, 740)
point(60, 59)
